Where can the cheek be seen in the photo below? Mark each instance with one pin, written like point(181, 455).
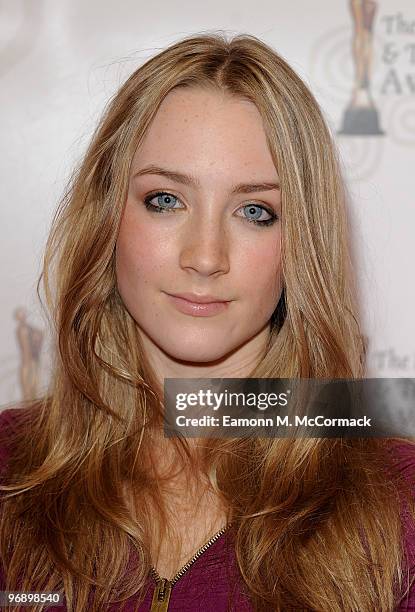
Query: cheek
point(261, 269)
point(140, 255)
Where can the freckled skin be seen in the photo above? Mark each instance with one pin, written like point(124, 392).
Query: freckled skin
point(207, 245)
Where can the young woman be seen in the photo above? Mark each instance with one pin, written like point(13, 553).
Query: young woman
point(204, 235)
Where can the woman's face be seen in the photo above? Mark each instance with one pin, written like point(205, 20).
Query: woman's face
point(200, 179)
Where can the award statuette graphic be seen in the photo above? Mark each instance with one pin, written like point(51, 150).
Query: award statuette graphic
point(361, 116)
point(30, 343)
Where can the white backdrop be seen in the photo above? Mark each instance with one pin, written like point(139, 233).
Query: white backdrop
point(61, 61)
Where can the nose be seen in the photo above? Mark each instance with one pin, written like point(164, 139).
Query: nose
point(205, 247)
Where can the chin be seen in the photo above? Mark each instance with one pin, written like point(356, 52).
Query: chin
point(199, 354)
point(194, 350)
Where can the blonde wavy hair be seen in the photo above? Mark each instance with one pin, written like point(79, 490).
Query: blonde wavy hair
point(316, 521)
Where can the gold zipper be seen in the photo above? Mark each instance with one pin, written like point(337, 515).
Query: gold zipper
point(162, 592)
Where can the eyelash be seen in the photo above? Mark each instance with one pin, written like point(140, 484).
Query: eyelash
point(160, 209)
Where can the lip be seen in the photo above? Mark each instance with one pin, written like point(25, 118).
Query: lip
point(198, 305)
point(199, 299)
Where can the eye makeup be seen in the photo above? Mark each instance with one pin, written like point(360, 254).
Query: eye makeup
point(166, 201)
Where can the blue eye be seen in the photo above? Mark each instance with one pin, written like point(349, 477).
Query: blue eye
point(256, 211)
point(165, 202)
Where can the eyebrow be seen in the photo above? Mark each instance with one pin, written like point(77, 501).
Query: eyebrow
point(188, 179)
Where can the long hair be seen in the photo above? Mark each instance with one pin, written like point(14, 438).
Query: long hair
point(305, 512)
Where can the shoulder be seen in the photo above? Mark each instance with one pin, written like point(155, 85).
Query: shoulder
point(8, 423)
point(11, 421)
point(403, 456)
point(9, 417)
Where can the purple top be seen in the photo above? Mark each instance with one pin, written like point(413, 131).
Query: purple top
point(213, 582)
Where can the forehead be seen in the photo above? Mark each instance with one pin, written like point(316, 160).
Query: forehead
point(207, 131)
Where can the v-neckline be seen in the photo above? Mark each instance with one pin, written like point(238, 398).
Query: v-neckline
point(206, 546)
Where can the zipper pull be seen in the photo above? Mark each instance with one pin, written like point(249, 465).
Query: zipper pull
point(161, 596)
